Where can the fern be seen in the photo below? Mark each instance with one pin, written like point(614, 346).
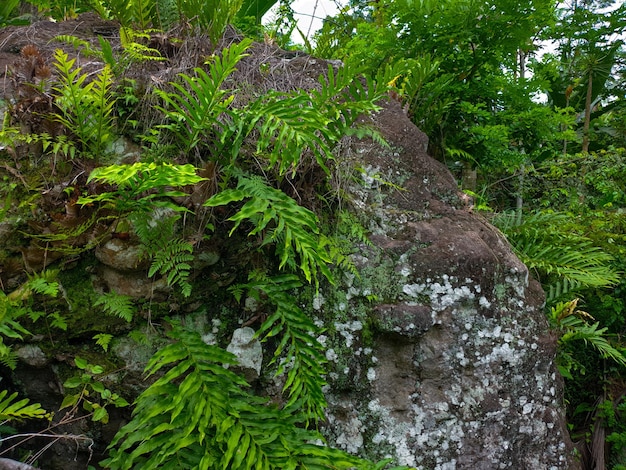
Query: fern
point(117, 305)
point(11, 410)
point(103, 340)
point(199, 415)
point(172, 260)
point(134, 49)
point(142, 189)
point(344, 98)
point(200, 100)
point(86, 108)
point(288, 125)
point(211, 17)
point(298, 353)
point(294, 229)
point(142, 186)
point(573, 327)
point(10, 312)
point(79, 44)
point(564, 261)
point(291, 124)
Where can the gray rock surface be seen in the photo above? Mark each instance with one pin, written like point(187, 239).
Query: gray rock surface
point(458, 371)
point(248, 351)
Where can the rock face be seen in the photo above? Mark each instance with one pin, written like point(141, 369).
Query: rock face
point(459, 372)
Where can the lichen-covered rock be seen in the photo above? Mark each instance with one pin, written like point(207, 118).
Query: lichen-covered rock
point(122, 255)
point(248, 351)
point(32, 355)
point(460, 371)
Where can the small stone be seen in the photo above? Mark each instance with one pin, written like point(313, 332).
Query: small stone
point(248, 351)
point(121, 255)
point(32, 355)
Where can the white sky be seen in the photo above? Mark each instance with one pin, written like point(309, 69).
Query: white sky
point(310, 13)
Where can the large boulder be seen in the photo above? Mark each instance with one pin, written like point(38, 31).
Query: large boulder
point(457, 369)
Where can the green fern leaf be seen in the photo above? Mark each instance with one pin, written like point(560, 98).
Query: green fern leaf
point(11, 410)
point(200, 415)
point(565, 262)
point(117, 305)
point(294, 231)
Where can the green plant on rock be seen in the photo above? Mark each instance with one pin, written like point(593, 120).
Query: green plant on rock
point(11, 410)
point(196, 105)
point(298, 355)
point(573, 327)
point(293, 126)
point(209, 17)
point(85, 108)
point(200, 415)
point(88, 385)
point(116, 304)
point(18, 305)
point(291, 228)
point(143, 197)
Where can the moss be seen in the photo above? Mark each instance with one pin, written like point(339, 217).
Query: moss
point(78, 299)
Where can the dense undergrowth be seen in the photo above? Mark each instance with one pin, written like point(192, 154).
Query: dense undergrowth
point(214, 161)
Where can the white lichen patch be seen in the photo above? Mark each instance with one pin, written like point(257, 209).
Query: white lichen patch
point(349, 330)
point(443, 293)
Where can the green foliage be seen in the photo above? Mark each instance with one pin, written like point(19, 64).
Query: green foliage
point(290, 125)
point(20, 303)
point(61, 10)
point(89, 386)
point(143, 196)
point(86, 108)
point(198, 414)
point(103, 340)
point(572, 327)
point(134, 181)
point(298, 353)
point(563, 260)
point(117, 305)
point(255, 9)
point(612, 412)
point(194, 110)
point(281, 221)
point(11, 410)
point(210, 17)
point(171, 258)
point(7, 14)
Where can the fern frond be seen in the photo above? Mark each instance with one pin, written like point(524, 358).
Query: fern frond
point(77, 43)
point(572, 325)
point(288, 125)
point(173, 261)
point(86, 108)
point(117, 305)
point(199, 101)
point(200, 415)
point(11, 410)
point(294, 229)
point(305, 367)
point(8, 358)
point(103, 340)
point(565, 261)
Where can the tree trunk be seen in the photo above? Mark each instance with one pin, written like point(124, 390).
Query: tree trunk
point(585, 146)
